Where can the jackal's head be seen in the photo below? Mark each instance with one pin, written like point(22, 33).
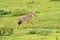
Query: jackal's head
point(33, 14)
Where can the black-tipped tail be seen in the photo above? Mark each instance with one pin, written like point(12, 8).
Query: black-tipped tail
point(19, 22)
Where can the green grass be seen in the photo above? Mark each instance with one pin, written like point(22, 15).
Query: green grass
point(30, 37)
point(49, 16)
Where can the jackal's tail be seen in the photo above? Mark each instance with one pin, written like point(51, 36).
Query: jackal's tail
point(19, 22)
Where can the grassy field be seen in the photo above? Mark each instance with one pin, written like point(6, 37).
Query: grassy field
point(47, 19)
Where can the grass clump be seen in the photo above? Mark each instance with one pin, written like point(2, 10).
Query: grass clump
point(19, 12)
point(32, 32)
point(54, 0)
point(4, 12)
point(6, 31)
point(44, 32)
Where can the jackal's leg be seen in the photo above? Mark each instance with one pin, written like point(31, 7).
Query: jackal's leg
point(23, 25)
point(19, 23)
point(18, 26)
point(31, 22)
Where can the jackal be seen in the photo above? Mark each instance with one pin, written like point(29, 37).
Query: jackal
point(26, 18)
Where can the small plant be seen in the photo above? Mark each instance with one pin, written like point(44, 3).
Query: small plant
point(4, 12)
point(6, 31)
point(44, 32)
point(32, 32)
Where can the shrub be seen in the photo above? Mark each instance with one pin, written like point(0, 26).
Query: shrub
point(30, 2)
point(32, 32)
point(6, 31)
point(19, 12)
point(4, 12)
point(44, 32)
point(54, 0)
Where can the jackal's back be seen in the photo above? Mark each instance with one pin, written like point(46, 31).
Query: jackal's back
point(25, 18)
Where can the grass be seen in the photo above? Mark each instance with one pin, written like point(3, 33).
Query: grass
point(31, 37)
point(49, 16)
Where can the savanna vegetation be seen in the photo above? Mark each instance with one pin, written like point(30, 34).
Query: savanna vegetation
point(46, 25)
